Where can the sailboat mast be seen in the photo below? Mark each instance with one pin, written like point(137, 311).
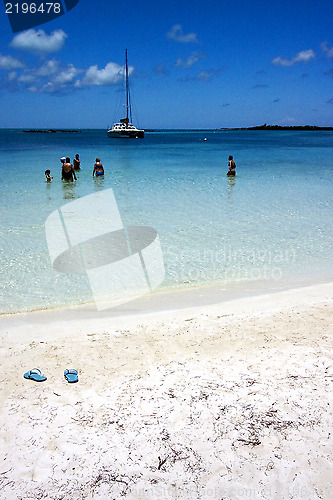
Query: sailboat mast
point(127, 89)
point(128, 96)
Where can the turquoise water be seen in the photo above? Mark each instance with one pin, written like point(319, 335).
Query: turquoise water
point(271, 223)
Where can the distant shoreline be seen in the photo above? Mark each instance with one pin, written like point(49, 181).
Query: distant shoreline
point(258, 127)
point(280, 127)
point(50, 131)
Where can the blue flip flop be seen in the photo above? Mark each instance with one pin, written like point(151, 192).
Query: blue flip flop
point(71, 376)
point(35, 374)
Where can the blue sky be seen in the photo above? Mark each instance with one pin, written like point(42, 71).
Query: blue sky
point(193, 63)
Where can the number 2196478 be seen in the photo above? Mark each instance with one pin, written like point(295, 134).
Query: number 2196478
point(33, 8)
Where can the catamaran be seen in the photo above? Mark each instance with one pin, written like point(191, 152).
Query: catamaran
point(125, 127)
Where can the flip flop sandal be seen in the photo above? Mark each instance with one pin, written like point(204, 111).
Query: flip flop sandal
point(71, 376)
point(35, 374)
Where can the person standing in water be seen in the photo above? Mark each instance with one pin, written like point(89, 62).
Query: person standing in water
point(76, 162)
point(48, 175)
point(98, 168)
point(68, 172)
point(232, 166)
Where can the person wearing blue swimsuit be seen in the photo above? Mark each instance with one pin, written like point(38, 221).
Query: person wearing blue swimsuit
point(98, 168)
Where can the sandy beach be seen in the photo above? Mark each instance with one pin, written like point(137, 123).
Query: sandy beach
point(225, 401)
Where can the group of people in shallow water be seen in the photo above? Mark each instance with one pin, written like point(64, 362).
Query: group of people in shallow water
point(68, 169)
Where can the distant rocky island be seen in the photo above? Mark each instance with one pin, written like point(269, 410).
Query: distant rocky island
point(280, 127)
point(50, 131)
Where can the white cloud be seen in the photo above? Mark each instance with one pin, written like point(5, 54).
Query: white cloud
point(48, 68)
point(192, 59)
point(328, 50)
point(110, 75)
point(67, 75)
point(304, 56)
point(176, 33)
point(38, 41)
point(54, 78)
point(204, 75)
point(9, 63)
point(48, 88)
point(207, 75)
point(27, 77)
point(50, 77)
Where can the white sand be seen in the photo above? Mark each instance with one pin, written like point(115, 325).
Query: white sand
point(228, 401)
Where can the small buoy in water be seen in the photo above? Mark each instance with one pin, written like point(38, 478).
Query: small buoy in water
point(205, 139)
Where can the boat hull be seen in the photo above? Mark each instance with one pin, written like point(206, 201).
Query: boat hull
point(132, 134)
